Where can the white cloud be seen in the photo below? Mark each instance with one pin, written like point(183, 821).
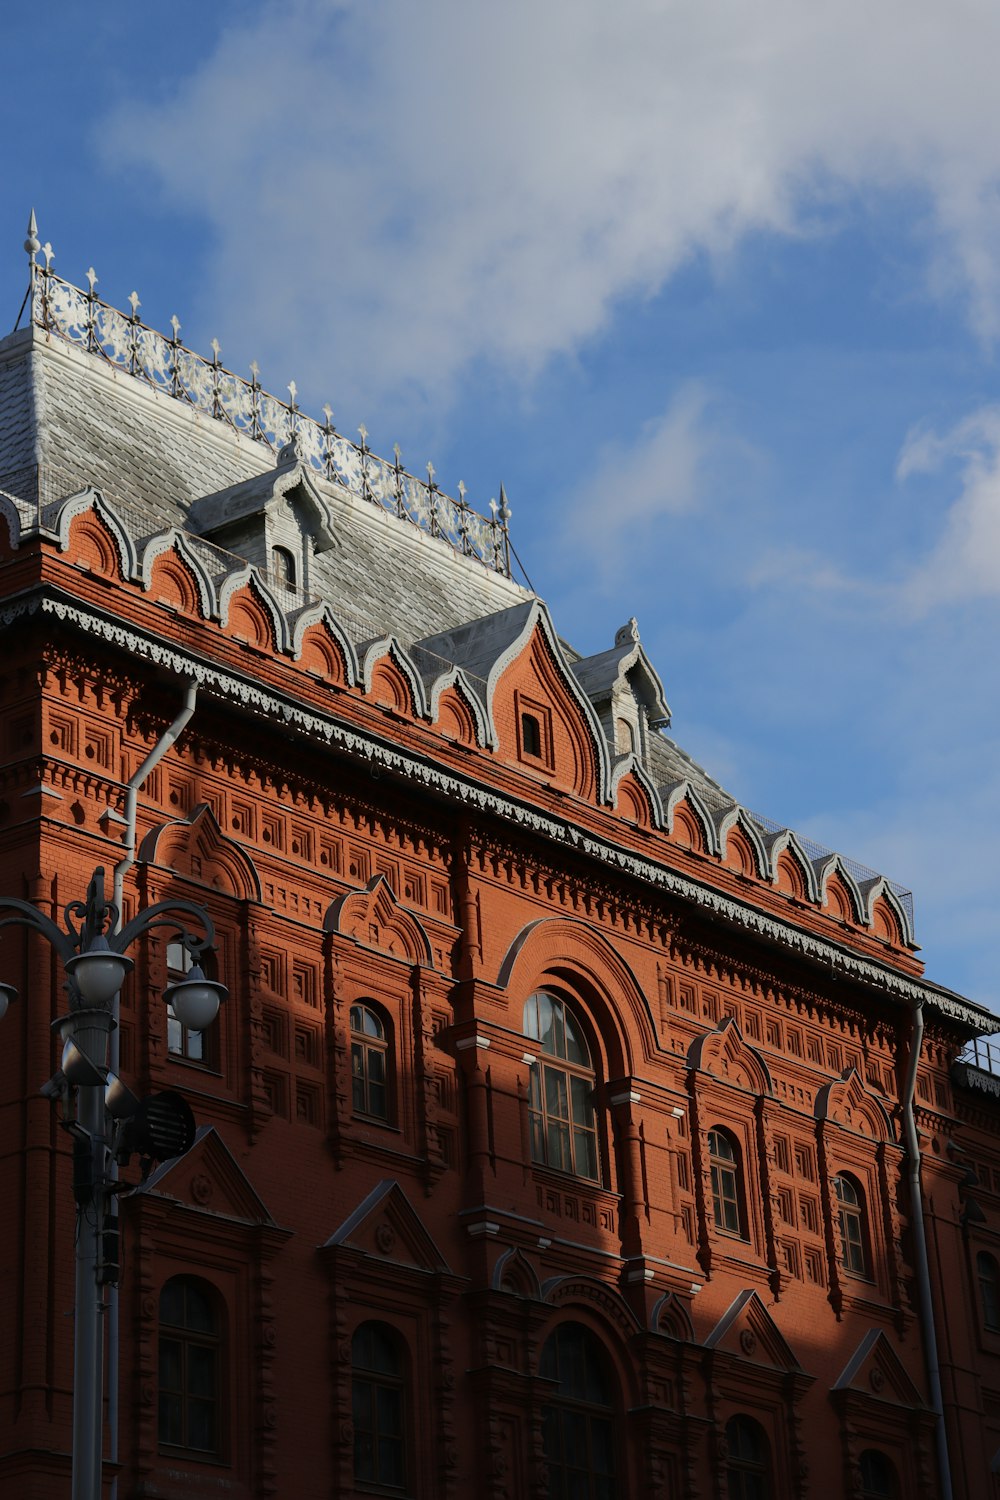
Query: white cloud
point(965, 562)
point(398, 190)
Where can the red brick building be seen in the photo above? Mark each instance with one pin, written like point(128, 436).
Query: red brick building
point(558, 1136)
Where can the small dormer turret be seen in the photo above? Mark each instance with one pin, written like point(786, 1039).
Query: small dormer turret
point(277, 520)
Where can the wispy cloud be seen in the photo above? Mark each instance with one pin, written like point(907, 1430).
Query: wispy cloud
point(406, 189)
point(964, 564)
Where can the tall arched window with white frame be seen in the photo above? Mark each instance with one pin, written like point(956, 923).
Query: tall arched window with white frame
point(561, 1098)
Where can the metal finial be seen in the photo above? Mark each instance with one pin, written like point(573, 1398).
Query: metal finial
point(505, 510)
point(134, 303)
point(430, 475)
point(49, 253)
point(175, 324)
point(461, 491)
point(493, 508)
point(397, 450)
point(364, 434)
point(91, 279)
point(32, 244)
point(328, 414)
point(254, 371)
point(216, 349)
point(293, 391)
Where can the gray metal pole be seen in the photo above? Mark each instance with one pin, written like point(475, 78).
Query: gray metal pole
point(88, 1342)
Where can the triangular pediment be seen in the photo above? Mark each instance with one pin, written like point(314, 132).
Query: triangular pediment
point(208, 1178)
point(748, 1332)
point(384, 1227)
point(874, 1369)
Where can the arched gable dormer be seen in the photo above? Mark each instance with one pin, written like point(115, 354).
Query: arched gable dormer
point(316, 637)
point(847, 1102)
point(247, 604)
point(739, 842)
point(374, 918)
point(791, 869)
point(170, 557)
point(633, 794)
point(525, 673)
point(885, 913)
point(196, 849)
point(453, 700)
point(838, 890)
point(386, 673)
point(86, 525)
point(725, 1054)
point(577, 955)
point(684, 813)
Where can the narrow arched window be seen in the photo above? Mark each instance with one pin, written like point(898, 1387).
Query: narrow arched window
point(851, 1215)
point(988, 1274)
point(369, 1063)
point(748, 1460)
point(727, 1187)
point(878, 1476)
point(195, 1046)
point(578, 1418)
point(561, 1098)
point(378, 1406)
point(283, 567)
point(190, 1367)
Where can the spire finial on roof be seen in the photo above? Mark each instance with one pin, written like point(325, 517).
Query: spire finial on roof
point(32, 244)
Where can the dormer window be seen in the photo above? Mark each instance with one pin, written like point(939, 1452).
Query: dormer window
point(283, 567)
point(531, 735)
point(624, 737)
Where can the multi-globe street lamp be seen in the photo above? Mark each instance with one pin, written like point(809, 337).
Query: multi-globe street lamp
point(107, 1121)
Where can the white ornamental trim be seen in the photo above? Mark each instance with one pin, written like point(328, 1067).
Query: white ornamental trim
point(229, 687)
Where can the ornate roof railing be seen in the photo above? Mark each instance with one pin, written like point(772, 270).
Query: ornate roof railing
point(165, 364)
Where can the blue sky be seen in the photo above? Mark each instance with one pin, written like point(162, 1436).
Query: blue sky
point(714, 290)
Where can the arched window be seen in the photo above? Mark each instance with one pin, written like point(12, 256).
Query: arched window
point(191, 1367)
point(283, 567)
point(878, 1476)
point(851, 1213)
point(578, 1420)
point(727, 1194)
point(561, 1108)
point(195, 1046)
point(377, 1381)
point(748, 1460)
point(988, 1274)
point(369, 1063)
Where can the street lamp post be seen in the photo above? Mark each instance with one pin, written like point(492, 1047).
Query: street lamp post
point(108, 1121)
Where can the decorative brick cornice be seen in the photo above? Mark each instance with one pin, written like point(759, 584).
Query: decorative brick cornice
point(277, 708)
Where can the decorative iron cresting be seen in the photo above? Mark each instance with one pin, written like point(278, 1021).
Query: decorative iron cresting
point(165, 364)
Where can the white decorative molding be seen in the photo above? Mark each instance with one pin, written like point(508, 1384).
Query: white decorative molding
point(270, 705)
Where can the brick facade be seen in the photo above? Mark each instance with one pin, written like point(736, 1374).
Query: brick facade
point(438, 1237)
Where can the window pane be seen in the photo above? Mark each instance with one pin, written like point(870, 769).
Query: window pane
point(201, 1371)
point(556, 1098)
point(585, 1147)
point(201, 1426)
point(171, 1426)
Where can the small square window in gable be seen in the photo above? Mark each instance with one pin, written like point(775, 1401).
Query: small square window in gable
point(534, 731)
